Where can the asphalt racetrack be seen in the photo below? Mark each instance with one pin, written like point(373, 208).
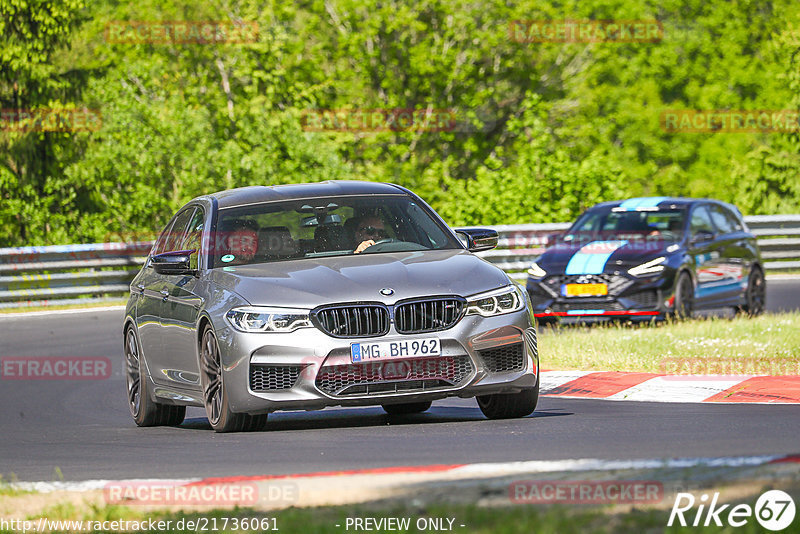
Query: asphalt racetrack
point(81, 430)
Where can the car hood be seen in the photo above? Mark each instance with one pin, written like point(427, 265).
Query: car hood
point(602, 255)
point(308, 283)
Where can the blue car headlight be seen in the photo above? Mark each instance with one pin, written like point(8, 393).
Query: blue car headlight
point(268, 319)
point(535, 271)
point(650, 267)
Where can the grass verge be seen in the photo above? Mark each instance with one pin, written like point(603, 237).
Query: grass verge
point(8, 490)
point(768, 344)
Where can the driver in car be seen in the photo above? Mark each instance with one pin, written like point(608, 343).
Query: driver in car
point(368, 231)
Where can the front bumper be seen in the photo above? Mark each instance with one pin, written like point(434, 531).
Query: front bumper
point(628, 297)
point(309, 370)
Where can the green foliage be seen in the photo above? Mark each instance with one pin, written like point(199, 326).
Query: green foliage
point(767, 179)
point(32, 75)
point(542, 131)
point(533, 179)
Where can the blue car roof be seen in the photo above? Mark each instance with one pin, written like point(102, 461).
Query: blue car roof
point(647, 203)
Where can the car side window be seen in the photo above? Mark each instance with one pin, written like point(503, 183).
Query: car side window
point(733, 220)
point(194, 235)
point(721, 221)
point(178, 231)
point(590, 224)
point(161, 243)
point(701, 221)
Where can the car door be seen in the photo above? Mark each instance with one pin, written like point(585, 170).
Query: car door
point(704, 248)
point(150, 285)
point(733, 254)
point(180, 310)
point(157, 293)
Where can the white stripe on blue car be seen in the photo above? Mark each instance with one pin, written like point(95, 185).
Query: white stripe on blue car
point(633, 204)
point(592, 258)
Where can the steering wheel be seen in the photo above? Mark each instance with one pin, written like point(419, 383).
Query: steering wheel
point(375, 247)
point(669, 235)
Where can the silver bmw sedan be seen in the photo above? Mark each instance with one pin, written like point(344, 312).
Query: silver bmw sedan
point(343, 293)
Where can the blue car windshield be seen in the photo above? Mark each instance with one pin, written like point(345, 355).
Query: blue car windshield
point(614, 223)
point(329, 226)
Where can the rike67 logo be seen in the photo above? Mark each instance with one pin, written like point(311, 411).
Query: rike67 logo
point(774, 510)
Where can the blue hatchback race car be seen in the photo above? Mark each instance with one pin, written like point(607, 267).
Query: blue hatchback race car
point(649, 258)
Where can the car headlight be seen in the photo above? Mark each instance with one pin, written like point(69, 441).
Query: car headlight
point(535, 271)
point(652, 266)
point(504, 300)
point(258, 319)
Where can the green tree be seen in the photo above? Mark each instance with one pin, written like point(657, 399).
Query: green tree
point(767, 179)
point(35, 72)
point(542, 130)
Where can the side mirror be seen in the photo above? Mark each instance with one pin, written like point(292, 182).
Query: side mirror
point(478, 239)
point(177, 262)
point(701, 236)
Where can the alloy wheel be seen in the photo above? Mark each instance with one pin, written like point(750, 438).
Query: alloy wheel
point(133, 375)
point(212, 387)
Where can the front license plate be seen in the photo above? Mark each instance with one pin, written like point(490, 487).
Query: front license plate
point(391, 350)
point(584, 290)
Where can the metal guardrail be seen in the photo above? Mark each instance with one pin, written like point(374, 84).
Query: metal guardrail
point(68, 274)
point(90, 273)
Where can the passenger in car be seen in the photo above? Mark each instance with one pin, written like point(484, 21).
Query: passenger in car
point(240, 238)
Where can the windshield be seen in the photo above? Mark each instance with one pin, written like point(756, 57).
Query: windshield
point(330, 226)
point(614, 223)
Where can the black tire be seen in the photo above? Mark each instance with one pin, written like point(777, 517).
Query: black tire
point(509, 405)
point(215, 396)
point(405, 409)
point(755, 296)
point(684, 297)
point(144, 411)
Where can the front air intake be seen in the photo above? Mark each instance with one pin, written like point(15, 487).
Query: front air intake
point(273, 377)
